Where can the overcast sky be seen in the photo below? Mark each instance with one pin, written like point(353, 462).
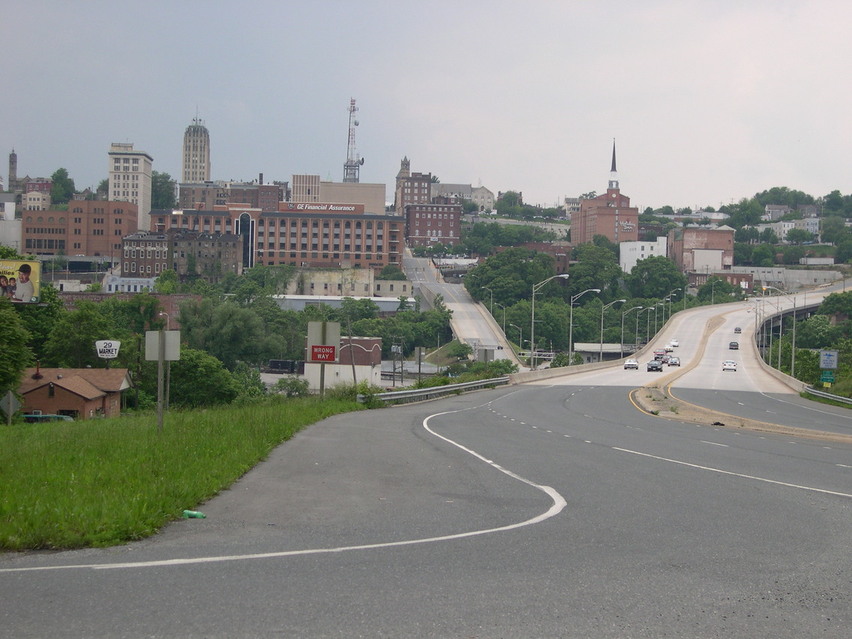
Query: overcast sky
point(708, 101)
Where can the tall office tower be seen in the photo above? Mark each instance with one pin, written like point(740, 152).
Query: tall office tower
point(196, 153)
point(130, 180)
point(13, 171)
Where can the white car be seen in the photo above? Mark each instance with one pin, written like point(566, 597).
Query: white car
point(669, 347)
point(675, 343)
point(729, 365)
point(631, 363)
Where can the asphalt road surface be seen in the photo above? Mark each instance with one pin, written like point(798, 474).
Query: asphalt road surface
point(544, 510)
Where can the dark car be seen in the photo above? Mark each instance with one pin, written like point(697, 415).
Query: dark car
point(738, 330)
point(734, 346)
point(655, 365)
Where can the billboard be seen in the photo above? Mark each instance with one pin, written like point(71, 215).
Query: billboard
point(20, 281)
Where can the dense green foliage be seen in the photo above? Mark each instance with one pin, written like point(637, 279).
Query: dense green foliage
point(106, 482)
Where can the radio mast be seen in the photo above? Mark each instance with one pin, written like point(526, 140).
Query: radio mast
point(351, 167)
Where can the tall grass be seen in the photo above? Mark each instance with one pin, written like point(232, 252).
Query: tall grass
point(105, 482)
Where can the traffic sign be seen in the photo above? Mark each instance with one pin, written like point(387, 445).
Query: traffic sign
point(827, 377)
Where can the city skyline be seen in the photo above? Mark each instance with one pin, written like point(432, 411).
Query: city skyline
point(709, 102)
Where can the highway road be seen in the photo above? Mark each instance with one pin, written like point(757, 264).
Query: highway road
point(554, 509)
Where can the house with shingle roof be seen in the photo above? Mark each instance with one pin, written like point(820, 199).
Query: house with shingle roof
point(81, 393)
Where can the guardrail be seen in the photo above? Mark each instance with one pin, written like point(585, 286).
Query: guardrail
point(422, 394)
point(824, 395)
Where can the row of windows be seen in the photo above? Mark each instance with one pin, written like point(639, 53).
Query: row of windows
point(57, 245)
point(130, 267)
point(437, 216)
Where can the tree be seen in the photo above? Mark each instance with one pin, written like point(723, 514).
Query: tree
point(162, 191)
point(655, 276)
point(167, 282)
point(392, 272)
point(799, 236)
point(834, 230)
point(13, 345)
point(763, 255)
point(199, 379)
point(62, 189)
point(72, 340)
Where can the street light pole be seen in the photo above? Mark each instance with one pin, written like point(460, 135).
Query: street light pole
point(535, 289)
point(603, 310)
point(571, 323)
point(520, 336)
point(504, 316)
point(491, 307)
point(622, 326)
point(670, 296)
point(168, 363)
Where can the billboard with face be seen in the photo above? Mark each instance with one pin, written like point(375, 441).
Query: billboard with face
point(20, 281)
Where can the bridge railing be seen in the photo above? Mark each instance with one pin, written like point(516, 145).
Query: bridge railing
point(423, 394)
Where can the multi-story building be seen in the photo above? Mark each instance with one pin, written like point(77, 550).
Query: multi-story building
point(309, 188)
point(306, 188)
point(629, 253)
point(35, 201)
point(88, 227)
point(483, 198)
point(206, 195)
point(427, 224)
point(300, 234)
point(609, 215)
point(130, 174)
point(701, 249)
point(144, 255)
point(411, 188)
point(196, 153)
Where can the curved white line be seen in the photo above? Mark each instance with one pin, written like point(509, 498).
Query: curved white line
point(556, 507)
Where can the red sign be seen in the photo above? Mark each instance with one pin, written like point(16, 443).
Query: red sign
point(323, 353)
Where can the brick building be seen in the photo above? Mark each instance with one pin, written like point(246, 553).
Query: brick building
point(411, 188)
point(609, 215)
point(257, 195)
point(189, 253)
point(81, 393)
point(427, 224)
point(88, 227)
point(318, 234)
point(702, 249)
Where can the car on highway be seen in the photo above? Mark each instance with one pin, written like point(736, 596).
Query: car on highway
point(729, 365)
point(734, 346)
point(659, 354)
point(674, 361)
point(655, 365)
point(631, 363)
point(669, 347)
point(738, 330)
point(675, 343)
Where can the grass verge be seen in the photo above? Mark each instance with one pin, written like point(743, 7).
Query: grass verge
point(105, 482)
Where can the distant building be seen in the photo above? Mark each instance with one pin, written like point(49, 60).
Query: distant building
point(427, 224)
point(309, 188)
point(411, 188)
point(609, 215)
point(319, 234)
point(631, 252)
point(702, 250)
point(79, 393)
point(196, 153)
point(88, 227)
point(130, 180)
point(256, 194)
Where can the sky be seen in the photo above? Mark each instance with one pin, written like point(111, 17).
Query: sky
point(708, 101)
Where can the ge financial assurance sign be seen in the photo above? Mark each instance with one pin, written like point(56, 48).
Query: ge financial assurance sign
point(323, 342)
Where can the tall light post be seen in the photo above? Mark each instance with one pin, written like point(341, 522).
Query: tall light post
point(713, 291)
point(622, 325)
point(648, 324)
point(168, 363)
point(491, 307)
point(603, 310)
point(520, 336)
point(574, 298)
point(670, 296)
point(656, 306)
point(504, 316)
point(535, 289)
point(647, 308)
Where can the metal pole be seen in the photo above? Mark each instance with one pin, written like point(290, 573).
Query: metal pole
point(793, 354)
point(532, 331)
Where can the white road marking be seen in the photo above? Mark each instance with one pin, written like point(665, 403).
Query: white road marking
point(556, 507)
point(714, 443)
point(733, 474)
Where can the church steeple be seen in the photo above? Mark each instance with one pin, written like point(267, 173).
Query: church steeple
point(613, 173)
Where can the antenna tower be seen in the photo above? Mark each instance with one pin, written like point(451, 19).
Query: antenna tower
point(353, 163)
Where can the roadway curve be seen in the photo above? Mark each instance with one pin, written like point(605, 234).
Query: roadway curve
point(553, 509)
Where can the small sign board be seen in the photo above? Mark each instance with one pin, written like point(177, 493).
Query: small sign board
point(321, 353)
point(171, 343)
point(827, 377)
point(323, 342)
point(107, 349)
point(828, 359)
